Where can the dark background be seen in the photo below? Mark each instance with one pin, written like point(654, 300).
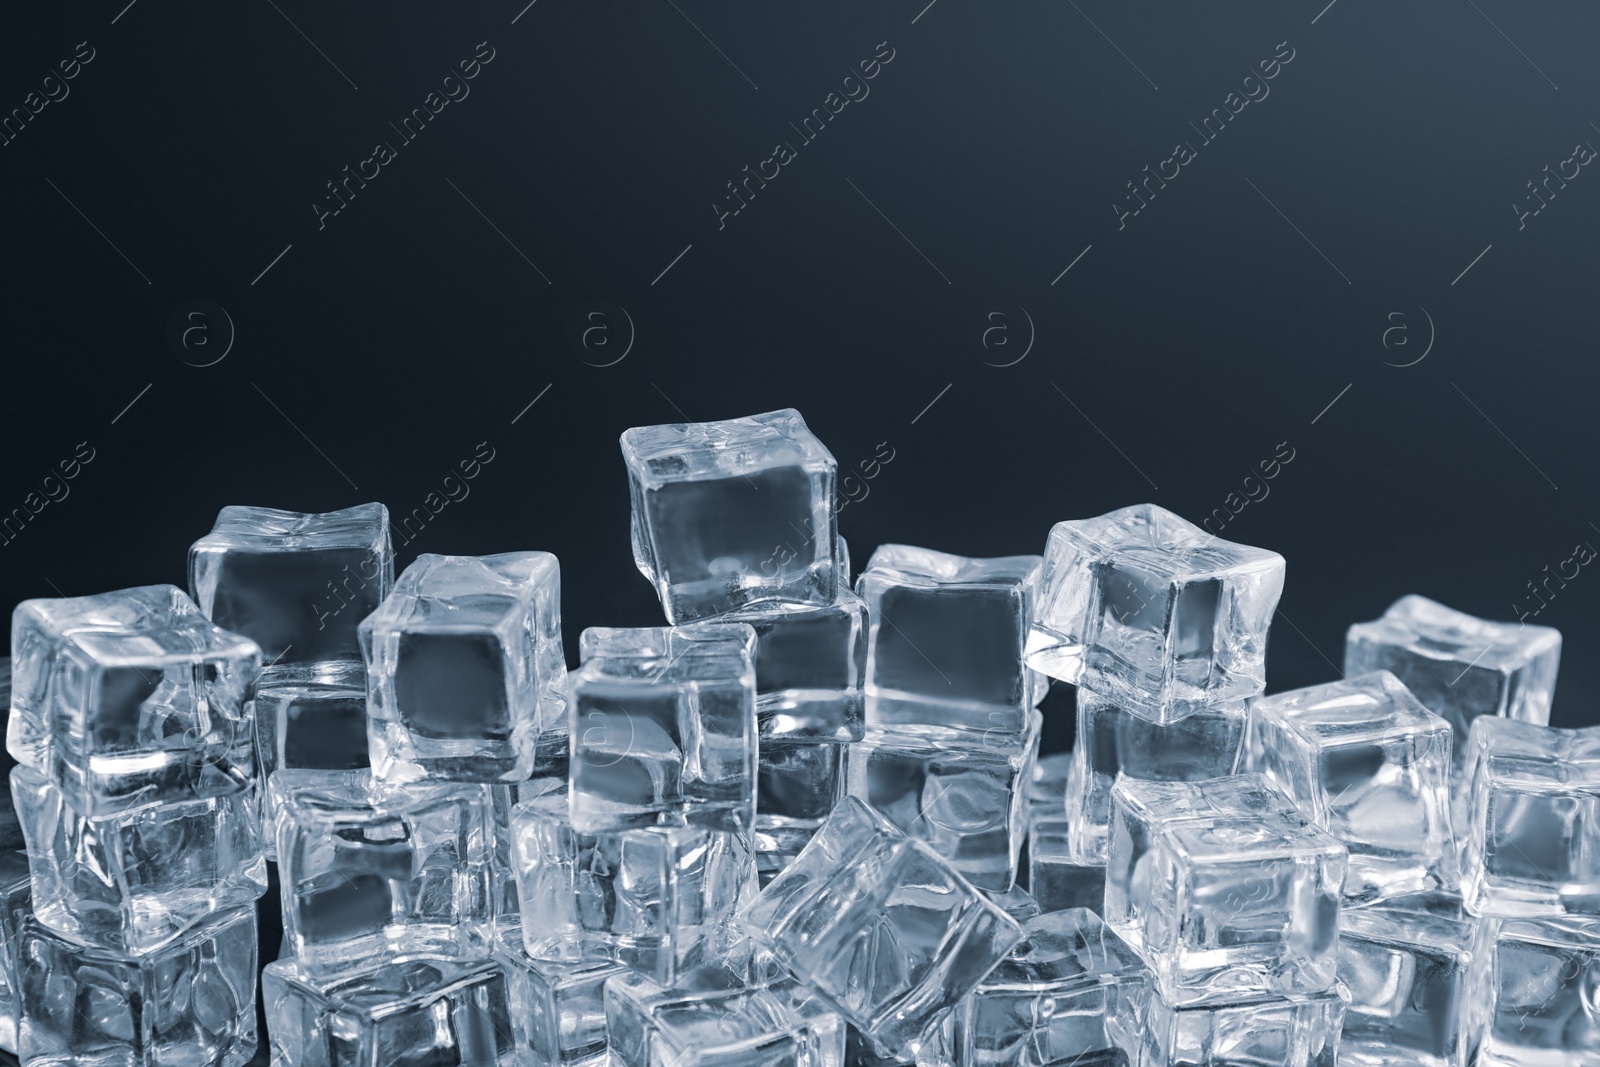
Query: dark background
point(1371, 190)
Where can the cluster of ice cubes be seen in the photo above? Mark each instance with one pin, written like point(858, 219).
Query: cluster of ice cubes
point(804, 823)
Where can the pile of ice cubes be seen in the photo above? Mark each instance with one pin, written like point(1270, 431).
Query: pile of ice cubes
point(790, 826)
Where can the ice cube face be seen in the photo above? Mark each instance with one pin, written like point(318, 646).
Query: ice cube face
point(558, 1010)
point(1048, 784)
point(1460, 667)
point(466, 667)
point(734, 512)
point(1140, 603)
point(1407, 964)
point(1533, 828)
point(664, 728)
point(131, 698)
point(1302, 1030)
point(1056, 879)
point(296, 584)
point(135, 880)
point(191, 1002)
point(945, 648)
point(1113, 740)
point(810, 664)
point(1367, 761)
point(1049, 1000)
point(1225, 888)
point(406, 1012)
point(713, 1020)
point(966, 800)
point(16, 904)
point(368, 873)
point(1535, 981)
point(882, 926)
point(659, 899)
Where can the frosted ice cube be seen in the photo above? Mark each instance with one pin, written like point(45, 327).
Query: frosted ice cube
point(966, 799)
point(664, 724)
point(131, 698)
point(1533, 825)
point(1225, 888)
point(1114, 740)
point(1460, 666)
point(1367, 761)
point(881, 926)
point(945, 650)
point(466, 668)
point(734, 512)
point(558, 1010)
point(1057, 880)
point(1140, 603)
point(296, 584)
point(16, 904)
point(1536, 984)
point(1300, 1030)
point(193, 1001)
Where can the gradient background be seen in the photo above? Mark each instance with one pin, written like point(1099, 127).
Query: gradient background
point(1360, 215)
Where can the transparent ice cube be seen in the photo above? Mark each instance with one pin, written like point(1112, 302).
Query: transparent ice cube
point(310, 717)
point(296, 584)
point(1016, 902)
point(1047, 784)
point(558, 1010)
point(664, 724)
point(945, 650)
point(1225, 888)
point(1055, 878)
point(1140, 603)
point(1367, 761)
point(1299, 1030)
point(734, 512)
point(1536, 983)
point(466, 668)
point(16, 904)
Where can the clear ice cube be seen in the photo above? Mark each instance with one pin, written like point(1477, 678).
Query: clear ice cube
point(882, 926)
point(945, 649)
point(1536, 984)
point(1367, 761)
point(1048, 784)
point(296, 584)
point(734, 512)
point(466, 668)
point(131, 698)
point(1016, 902)
point(1225, 887)
point(16, 904)
point(1055, 878)
point(558, 1010)
point(1301, 1030)
point(664, 724)
point(1140, 603)
point(310, 717)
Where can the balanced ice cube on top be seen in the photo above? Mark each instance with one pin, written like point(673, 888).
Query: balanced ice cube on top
point(733, 512)
point(664, 728)
point(1458, 665)
point(946, 639)
point(1141, 602)
point(131, 698)
point(465, 668)
point(1367, 761)
point(296, 584)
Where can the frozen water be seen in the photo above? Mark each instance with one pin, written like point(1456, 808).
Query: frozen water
point(1300, 1030)
point(1367, 761)
point(1056, 880)
point(295, 584)
point(309, 717)
point(947, 633)
point(1047, 785)
point(1140, 603)
point(1224, 887)
point(131, 698)
point(881, 926)
point(1536, 983)
point(734, 512)
point(1016, 902)
point(558, 1010)
point(664, 724)
point(466, 668)
point(16, 890)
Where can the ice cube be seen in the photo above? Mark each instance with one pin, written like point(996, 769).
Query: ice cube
point(1533, 827)
point(1047, 785)
point(712, 1019)
point(16, 904)
point(1142, 604)
point(368, 872)
point(965, 798)
point(734, 512)
point(1536, 983)
point(1459, 666)
point(945, 651)
point(134, 880)
point(310, 717)
point(131, 698)
point(558, 1010)
point(1057, 880)
point(193, 1001)
point(295, 584)
point(1048, 1002)
point(1367, 761)
point(1299, 1030)
point(408, 1011)
point(466, 668)
point(1225, 887)
point(1016, 902)
point(664, 724)
point(660, 899)
point(1114, 740)
point(882, 926)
